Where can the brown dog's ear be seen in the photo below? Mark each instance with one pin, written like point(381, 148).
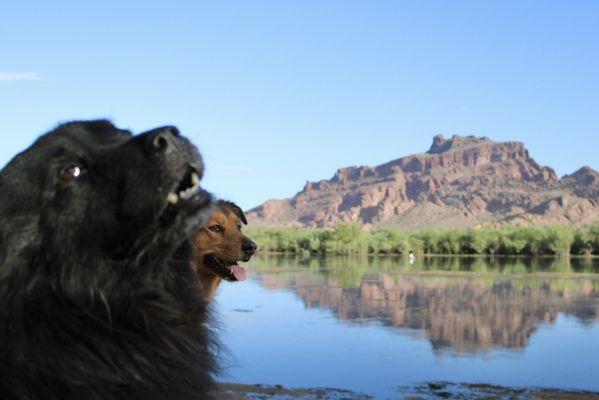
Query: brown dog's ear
point(235, 209)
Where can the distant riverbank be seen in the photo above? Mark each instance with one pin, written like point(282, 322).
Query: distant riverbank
point(348, 238)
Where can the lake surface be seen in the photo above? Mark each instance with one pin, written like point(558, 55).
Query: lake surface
point(375, 324)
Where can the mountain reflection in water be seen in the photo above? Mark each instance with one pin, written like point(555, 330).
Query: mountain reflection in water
point(466, 305)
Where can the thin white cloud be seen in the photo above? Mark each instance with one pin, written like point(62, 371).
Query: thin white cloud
point(19, 76)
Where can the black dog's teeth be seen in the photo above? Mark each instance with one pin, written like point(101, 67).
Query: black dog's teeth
point(189, 186)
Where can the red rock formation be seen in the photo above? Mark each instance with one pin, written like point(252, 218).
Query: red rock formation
point(459, 182)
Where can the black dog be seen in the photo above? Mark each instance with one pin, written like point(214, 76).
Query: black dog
point(97, 294)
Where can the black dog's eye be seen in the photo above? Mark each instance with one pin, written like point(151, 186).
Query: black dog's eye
point(70, 173)
point(216, 228)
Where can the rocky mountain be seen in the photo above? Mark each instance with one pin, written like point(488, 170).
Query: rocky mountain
point(460, 182)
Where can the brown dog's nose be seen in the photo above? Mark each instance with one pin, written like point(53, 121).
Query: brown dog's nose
point(249, 247)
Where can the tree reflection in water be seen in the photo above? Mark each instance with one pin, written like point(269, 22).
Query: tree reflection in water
point(466, 305)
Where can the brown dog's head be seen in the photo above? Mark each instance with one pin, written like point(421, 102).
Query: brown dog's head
point(221, 244)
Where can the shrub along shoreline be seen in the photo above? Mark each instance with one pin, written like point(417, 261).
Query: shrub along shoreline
point(349, 238)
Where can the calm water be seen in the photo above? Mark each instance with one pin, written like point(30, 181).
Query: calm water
point(371, 325)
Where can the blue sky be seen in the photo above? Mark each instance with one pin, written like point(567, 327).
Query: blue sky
point(275, 93)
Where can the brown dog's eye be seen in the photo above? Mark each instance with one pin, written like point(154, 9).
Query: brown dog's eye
point(216, 228)
point(70, 173)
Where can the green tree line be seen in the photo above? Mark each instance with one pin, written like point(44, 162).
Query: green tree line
point(349, 238)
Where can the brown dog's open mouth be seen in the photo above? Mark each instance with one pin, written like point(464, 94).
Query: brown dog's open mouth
point(230, 271)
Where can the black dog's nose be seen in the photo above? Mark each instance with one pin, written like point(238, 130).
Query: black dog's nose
point(160, 140)
point(249, 247)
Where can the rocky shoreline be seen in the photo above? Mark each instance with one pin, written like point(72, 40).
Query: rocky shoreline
point(426, 391)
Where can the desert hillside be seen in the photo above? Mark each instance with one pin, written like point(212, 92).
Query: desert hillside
point(458, 182)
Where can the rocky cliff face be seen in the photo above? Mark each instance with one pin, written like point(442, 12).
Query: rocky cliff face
point(459, 182)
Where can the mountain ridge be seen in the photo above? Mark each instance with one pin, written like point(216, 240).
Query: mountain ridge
point(462, 181)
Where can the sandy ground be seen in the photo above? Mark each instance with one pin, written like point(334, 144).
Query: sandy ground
point(428, 391)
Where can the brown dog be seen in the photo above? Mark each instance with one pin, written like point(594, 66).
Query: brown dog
point(220, 244)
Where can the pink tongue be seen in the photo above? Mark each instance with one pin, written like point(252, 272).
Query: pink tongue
point(237, 271)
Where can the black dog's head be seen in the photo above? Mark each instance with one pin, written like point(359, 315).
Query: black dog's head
point(91, 191)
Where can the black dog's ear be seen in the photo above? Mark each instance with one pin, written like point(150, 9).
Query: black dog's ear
point(234, 208)
point(98, 126)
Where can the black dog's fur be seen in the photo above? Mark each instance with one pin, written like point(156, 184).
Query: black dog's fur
point(97, 296)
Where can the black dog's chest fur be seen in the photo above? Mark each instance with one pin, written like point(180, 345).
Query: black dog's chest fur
point(147, 342)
